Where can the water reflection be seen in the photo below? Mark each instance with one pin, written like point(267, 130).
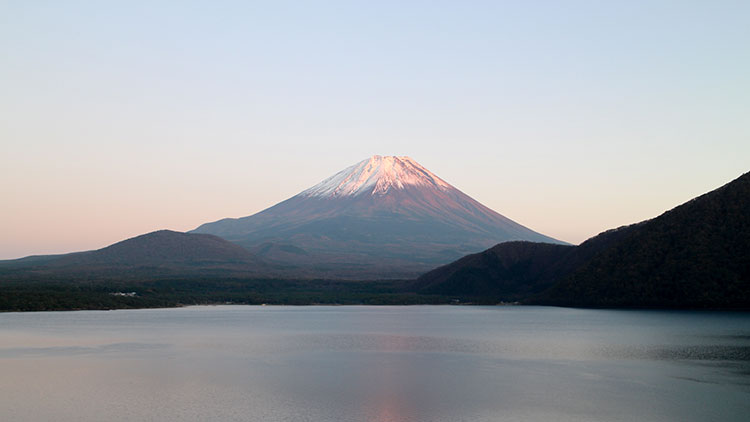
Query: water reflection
point(114, 348)
point(437, 364)
point(391, 404)
point(686, 352)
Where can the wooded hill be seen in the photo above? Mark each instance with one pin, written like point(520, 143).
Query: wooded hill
point(696, 255)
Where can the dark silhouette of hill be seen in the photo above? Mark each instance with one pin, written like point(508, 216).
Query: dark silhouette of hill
point(163, 247)
point(155, 254)
point(514, 271)
point(510, 270)
point(695, 255)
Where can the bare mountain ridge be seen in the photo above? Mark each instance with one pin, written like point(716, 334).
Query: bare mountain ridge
point(383, 212)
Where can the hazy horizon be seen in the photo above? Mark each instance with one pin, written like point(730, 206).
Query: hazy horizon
point(118, 120)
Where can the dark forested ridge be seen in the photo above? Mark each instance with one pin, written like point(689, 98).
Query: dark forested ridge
point(36, 295)
point(511, 271)
point(696, 255)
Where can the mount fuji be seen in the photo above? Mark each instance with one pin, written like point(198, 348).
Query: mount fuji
point(385, 216)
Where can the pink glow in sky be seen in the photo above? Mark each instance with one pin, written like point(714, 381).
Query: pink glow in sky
point(117, 120)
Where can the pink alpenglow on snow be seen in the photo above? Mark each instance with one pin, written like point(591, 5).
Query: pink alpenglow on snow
point(384, 216)
point(376, 176)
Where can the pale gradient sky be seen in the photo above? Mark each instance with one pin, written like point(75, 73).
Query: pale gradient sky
point(570, 117)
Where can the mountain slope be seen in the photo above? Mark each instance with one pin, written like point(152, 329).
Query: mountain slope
point(384, 212)
point(163, 247)
point(150, 255)
point(514, 271)
point(510, 271)
point(696, 255)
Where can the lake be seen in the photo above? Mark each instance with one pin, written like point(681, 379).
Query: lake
point(360, 363)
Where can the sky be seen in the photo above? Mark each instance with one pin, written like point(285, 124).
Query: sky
point(569, 117)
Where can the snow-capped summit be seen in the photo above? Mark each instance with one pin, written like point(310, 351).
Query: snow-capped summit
point(384, 216)
point(375, 176)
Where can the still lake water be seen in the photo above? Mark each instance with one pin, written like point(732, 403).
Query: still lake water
point(359, 363)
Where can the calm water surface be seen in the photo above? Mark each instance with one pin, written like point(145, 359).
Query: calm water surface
point(419, 363)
